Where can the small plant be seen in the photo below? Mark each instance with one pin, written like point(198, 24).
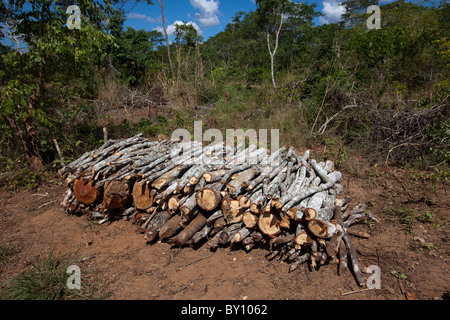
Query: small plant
point(428, 217)
point(422, 245)
point(429, 247)
point(90, 224)
point(45, 281)
point(335, 149)
point(398, 275)
point(406, 217)
point(426, 247)
point(23, 179)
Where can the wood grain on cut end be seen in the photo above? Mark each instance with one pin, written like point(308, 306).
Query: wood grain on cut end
point(116, 195)
point(232, 211)
point(173, 204)
point(85, 192)
point(269, 224)
point(250, 220)
point(318, 228)
point(302, 239)
point(209, 198)
point(142, 195)
point(309, 214)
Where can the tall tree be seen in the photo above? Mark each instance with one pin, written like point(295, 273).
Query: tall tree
point(272, 15)
point(169, 56)
point(50, 48)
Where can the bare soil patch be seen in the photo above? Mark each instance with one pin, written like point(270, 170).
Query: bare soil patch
point(413, 266)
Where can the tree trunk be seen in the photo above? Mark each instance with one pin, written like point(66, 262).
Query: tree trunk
point(273, 53)
point(161, 4)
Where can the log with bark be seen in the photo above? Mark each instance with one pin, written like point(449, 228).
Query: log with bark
point(188, 194)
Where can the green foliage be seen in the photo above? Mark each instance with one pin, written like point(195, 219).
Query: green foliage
point(186, 35)
point(398, 275)
point(407, 217)
point(428, 217)
point(439, 136)
point(22, 177)
point(46, 280)
point(134, 53)
point(403, 67)
point(336, 150)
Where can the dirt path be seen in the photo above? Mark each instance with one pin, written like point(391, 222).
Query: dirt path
point(124, 266)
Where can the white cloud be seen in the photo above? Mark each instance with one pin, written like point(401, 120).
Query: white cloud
point(332, 11)
point(140, 16)
point(171, 28)
point(209, 11)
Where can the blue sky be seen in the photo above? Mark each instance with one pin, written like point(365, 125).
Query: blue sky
point(209, 17)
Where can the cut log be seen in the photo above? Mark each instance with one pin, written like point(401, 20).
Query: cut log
point(171, 227)
point(302, 239)
point(200, 235)
point(360, 234)
point(333, 178)
point(210, 197)
point(219, 224)
point(321, 229)
point(214, 176)
point(73, 207)
point(236, 186)
point(224, 236)
point(250, 220)
point(85, 192)
point(240, 235)
point(314, 205)
point(244, 202)
point(116, 195)
point(155, 225)
point(173, 204)
point(343, 259)
point(142, 195)
point(269, 224)
point(191, 229)
point(216, 215)
point(167, 178)
point(232, 211)
point(354, 260)
point(65, 202)
point(228, 233)
point(282, 239)
point(188, 208)
point(285, 222)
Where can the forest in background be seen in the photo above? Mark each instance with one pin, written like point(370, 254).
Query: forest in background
point(382, 92)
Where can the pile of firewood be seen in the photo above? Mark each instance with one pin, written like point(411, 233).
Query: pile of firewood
point(189, 194)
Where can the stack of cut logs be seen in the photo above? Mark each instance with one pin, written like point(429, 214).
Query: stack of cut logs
point(187, 194)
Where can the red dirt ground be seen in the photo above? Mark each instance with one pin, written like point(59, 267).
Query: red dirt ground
point(125, 267)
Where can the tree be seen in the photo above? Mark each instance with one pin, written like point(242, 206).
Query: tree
point(161, 4)
point(273, 14)
point(50, 48)
point(134, 53)
point(356, 11)
point(186, 35)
